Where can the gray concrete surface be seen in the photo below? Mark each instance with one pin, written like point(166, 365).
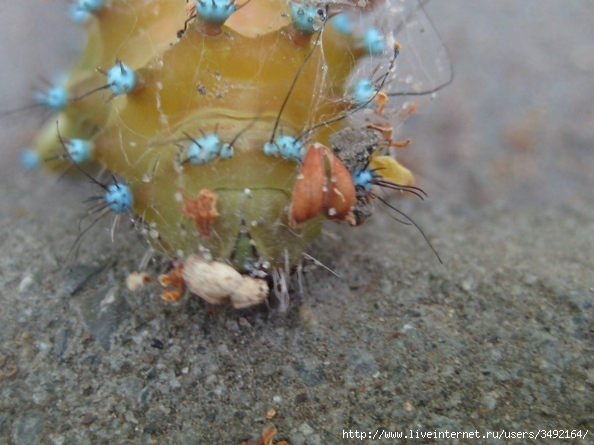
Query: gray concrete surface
point(500, 337)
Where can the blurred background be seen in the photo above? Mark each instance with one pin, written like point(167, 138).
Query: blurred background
point(517, 124)
point(500, 336)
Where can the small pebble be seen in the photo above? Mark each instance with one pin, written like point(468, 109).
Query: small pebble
point(156, 343)
point(26, 283)
point(88, 419)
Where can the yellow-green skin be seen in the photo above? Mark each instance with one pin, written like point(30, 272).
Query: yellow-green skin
point(224, 83)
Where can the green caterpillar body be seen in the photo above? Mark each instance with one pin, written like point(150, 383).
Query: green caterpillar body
point(210, 129)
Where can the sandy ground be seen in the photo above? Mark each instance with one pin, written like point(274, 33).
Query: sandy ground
point(500, 337)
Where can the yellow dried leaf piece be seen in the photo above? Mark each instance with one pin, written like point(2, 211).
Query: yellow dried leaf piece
point(389, 169)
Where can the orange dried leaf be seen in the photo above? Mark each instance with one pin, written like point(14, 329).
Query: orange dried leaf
point(308, 192)
point(203, 209)
point(341, 194)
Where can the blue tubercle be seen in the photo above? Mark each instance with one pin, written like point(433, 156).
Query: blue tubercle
point(363, 92)
point(227, 151)
point(363, 178)
point(82, 10)
point(303, 17)
point(290, 147)
point(286, 146)
point(78, 15)
point(79, 150)
point(374, 42)
point(121, 79)
point(119, 198)
point(205, 149)
point(55, 98)
point(270, 149)
point(342, 23)
point(30, 159)
point(90, 5)
point(215, 12)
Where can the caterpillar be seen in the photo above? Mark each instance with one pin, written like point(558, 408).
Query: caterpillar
point(235, 129)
